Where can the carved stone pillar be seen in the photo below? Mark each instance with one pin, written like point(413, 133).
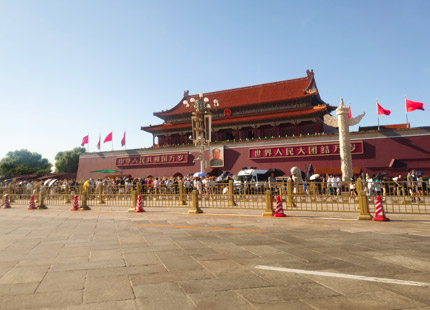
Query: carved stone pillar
point(344, 142)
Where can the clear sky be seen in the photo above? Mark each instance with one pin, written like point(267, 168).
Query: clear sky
point(72, 68)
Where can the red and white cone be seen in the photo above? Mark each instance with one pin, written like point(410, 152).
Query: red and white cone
point(379, 211)
point(279, 212)
point(6, 204)
point(139, 205)
point(32, 204)
point(75, 204)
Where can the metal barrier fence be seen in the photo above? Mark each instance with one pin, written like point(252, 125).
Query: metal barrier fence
point(397, 197)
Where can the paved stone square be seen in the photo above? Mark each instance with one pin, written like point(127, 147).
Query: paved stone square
point(108, 258)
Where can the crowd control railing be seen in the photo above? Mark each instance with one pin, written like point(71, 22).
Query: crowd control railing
point(397, 197)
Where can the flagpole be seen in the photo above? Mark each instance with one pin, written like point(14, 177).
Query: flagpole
point(351, 128)
point(377, 112)
point(407, 122)
point(88, 144)
point(125, 141)
point(112, 140)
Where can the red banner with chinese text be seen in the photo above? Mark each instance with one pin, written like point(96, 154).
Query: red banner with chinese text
point(153, 159)
point(323, 149)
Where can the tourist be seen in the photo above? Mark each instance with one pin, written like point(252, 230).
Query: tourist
point(352, 188)
point(370, 186)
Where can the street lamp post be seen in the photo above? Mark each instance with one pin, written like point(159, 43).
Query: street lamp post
point(201, 121)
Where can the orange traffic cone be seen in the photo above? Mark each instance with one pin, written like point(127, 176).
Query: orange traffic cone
point(379, 211)
point(139, 205)
point(75, 204)
point(6, 204)
point(32, 204)
point(279, 212)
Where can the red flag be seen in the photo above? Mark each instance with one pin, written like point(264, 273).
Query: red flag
point(123, 140)
point(84, 140)
point(349, 112)
point(98, 144)
point(412, 105)
point(381, 110)
point(108, 138)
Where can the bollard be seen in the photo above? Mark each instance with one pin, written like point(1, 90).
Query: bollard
point(41, 201)
point(269, 202)
point(75, 205)
point(290, 201)
point(67, 194)
point(11, 194)
point(231, 202)
point(362, 202)
point(195, 205)
point(100, 194)
point(155, 197)
point(404, 202)
point(181, 200)
point(84, 206)
point(314, 192)
point(6, 204)
point(32, 205)
point(133, 198)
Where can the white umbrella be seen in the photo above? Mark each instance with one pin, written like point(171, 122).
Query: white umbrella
point(52, 182)
point(46, 182)
point(314, 177)
point(199, 174)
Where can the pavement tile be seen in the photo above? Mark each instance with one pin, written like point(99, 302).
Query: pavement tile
point(75, 251)
point(179, 263)
point(283, 305)
point(44, 300)
point(162, 296)
point(124, 271)
point(25, 274)
point(5, 267)
point(282, 278)
point(107, 289)
point(260, 295)
point(53, 261)
point(89, 265)
point(18, 289)
point(111, 305)
point(241, 281)
point(103, 255)
point(223, 267)
point(63, 281)
point(373, 300)
point(173, 276)
point(419, 264)
point(224, 300)
point(141, 259)
point(419, 294)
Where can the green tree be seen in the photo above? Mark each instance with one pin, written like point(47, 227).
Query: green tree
point(68, 161)
point(24, 162)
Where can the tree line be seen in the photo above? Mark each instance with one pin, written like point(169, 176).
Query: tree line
point(22, 162)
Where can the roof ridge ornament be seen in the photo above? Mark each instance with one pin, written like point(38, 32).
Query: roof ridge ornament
point(310, 73)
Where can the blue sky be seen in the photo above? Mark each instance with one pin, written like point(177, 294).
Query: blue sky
point(69, 68)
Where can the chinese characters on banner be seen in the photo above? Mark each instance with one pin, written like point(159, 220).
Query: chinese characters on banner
point(155, 159)
point(322, 149)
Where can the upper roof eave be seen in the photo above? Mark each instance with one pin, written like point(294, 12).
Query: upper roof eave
point(257, 94)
